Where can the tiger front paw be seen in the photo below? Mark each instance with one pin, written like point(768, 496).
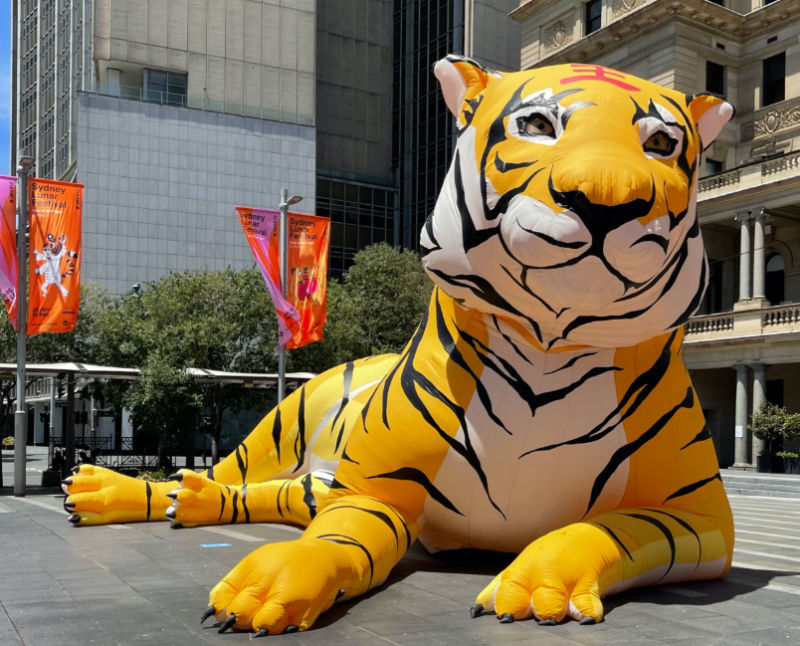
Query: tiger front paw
point(283, 587)
point(556, 576)
point(201, 501)
point(97, 496)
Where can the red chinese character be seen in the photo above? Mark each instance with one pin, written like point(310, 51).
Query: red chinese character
point(598, 73)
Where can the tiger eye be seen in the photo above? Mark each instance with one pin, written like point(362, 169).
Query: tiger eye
point(661, 143)
point(536, 125)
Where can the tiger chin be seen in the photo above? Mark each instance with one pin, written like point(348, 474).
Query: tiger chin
point(542, 406)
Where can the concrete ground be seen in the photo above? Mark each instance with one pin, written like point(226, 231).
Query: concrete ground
point(147, 583)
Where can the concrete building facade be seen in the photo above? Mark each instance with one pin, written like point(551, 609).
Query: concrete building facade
point(743, 347)
point(170, 112)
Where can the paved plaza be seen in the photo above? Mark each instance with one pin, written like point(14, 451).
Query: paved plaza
point(148, 584)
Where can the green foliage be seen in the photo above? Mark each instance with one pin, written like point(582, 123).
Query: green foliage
point(773, 424)
point(788, 454)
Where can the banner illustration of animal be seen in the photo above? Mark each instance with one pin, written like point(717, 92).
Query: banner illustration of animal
point(542, 406)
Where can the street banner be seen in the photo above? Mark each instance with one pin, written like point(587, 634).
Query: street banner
point(54, 257)
point(9, 271)
point(301, 314)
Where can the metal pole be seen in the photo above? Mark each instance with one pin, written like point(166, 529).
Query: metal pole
point(283, 264)
point(20, 415)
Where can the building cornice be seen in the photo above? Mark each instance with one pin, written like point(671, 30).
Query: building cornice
point(632, 19)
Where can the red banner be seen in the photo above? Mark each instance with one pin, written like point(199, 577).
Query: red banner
point(54, 259)
point(301, 315)
point(9, 272)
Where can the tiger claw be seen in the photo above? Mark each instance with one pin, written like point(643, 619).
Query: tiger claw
point(69, 506)
point(228, 623)
point(170, 513)
point(209, 611)
point(176, 476)
point(475, 610)
point(507, 618)
point(74, 519)
point(291, 629)
point(588, 621)
point(261, 632)
point(547, 622)
point(76, 468)
point(173, 495)
point(66, 481)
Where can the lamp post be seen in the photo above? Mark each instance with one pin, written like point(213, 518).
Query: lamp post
point(20, 414)
point(283, 263)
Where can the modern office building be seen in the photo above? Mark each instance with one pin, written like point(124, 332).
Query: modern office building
point(170, 112)
point(744, 346)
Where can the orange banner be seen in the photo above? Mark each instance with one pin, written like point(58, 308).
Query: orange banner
point(54, 258)
point(308, 274)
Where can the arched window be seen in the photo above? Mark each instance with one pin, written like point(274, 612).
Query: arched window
point(774, 279)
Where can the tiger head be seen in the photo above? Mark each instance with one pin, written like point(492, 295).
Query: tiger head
point(570, 204)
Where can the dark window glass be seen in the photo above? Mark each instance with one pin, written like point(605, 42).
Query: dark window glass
point(721, 3)
point(714, 166)
point(715, 78)
point(774, 285)
point(774, 392)
point(774, 82)
point(594, 11)
point(165, 87)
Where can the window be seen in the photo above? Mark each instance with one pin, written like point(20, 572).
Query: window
point(774, 283)
point(774, 80)
point(594, 11)
point(713, 166)
point(165, 87)
point(715, 78)
point(721, 3)
point(712, 301)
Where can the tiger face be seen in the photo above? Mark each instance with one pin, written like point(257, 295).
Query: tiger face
point(570, 201)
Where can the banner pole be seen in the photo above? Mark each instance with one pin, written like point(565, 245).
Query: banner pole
point(20, 414)
point(283, 264)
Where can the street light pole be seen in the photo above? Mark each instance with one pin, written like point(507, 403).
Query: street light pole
point(20, 414)
point(283, 263)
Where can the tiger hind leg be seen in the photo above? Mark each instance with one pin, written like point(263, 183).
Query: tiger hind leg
point(201, 501)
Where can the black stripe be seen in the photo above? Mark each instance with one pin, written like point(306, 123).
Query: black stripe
point(300, 442)
point(276, 432)
point(692, 487)
point(702, 435)
point(624, 452)
point(616, 539)
point(378, 514)
point(235, 509)
point(148, 492)
point(285, 483)
point(667, 534)
point(695, 302)
point(687, 527)
point(341, 539)
point(223, 500)
point(244, 504)
point(509, 340)
point(242, 466)
point(308, 496)
point(571, 362)
point(210, 473)
point(415, 475)
point(347, 381)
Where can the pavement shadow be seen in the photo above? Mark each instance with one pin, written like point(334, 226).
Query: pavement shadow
point(738, 581)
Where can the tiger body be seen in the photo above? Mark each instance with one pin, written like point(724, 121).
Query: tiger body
point(542, 406)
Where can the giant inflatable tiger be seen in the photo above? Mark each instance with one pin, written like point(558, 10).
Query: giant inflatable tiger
point(541, 407)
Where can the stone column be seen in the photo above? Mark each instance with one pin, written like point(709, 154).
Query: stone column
point(759, 269)
point(759, 394)
point(740, 443)
point(744, 255)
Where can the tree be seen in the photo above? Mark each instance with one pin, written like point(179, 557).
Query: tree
point(773, 424)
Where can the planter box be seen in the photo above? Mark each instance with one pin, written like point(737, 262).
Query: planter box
point(791, 465)
point(769, 464)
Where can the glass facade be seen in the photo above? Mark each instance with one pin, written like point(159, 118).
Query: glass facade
point(360, 215)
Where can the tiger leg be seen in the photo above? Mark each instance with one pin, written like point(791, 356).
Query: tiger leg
point(200, 501)
point(310, 426)
point(347, 549)
point(567, 571)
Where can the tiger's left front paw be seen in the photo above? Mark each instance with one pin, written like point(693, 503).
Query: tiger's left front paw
point(557, 575)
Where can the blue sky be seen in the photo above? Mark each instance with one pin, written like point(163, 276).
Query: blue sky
point(5, 86)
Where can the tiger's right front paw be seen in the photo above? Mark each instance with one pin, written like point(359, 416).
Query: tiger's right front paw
point(97, 496)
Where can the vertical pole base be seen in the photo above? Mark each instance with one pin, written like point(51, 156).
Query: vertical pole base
point(20, 451)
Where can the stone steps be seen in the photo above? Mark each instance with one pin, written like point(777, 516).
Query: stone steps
point(750, 483)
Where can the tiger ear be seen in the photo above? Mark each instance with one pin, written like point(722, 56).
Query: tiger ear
point(710, 113)
point(461, 79)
